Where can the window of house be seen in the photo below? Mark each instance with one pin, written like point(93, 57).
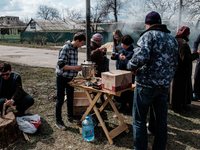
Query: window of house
point(33, 25)
point(8, 22)
point(8, 18)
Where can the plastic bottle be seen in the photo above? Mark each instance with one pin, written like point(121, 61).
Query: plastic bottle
point(91, 118)
point(88, 129)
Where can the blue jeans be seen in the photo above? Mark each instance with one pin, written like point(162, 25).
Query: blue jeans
point(62, 85)
point(143, 99)
point(22, 105)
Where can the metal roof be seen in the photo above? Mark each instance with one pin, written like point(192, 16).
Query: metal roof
point(52, 25)
point(68, 24)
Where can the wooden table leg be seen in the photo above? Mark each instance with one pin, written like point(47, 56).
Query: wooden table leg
point(92, 103)
point(114, 108)
point(122, 127)
point(105, 103)
point(99, 116)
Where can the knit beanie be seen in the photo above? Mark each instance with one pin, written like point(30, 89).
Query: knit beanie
point(153, 18)
point(184, 31)
point(97, 37)
point(127, 40)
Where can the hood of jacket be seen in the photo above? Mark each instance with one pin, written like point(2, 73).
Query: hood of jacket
point(158, 27)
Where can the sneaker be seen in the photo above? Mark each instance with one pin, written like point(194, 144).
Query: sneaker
point(72, 120)
point(61, 126)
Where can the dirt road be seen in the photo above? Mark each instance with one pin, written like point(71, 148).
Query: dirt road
point(37, 57)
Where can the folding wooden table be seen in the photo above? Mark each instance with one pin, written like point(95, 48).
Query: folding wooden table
point(122, 127)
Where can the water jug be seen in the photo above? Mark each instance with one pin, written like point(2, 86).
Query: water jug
point(88, 129)
point(90, 117)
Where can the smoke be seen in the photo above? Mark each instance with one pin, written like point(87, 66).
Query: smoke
point(134, 15)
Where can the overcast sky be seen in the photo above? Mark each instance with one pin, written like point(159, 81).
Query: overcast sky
point(28, 8)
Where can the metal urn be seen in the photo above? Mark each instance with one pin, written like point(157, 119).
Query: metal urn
point(88, 71)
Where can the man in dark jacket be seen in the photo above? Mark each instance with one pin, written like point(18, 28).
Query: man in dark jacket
point(154, 62)
point(122, 58)
point(12, 91)
point(98, 53)
point(196, 89)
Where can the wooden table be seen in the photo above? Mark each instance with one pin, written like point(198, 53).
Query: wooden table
point(122, 127)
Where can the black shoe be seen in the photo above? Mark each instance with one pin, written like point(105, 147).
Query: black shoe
point(72, 120)
point(60, 125)
point(179, 110)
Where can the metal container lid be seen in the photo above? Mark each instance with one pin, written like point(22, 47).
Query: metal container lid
point(88, 63)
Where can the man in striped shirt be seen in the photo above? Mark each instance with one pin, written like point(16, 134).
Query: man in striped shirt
point(66, 69)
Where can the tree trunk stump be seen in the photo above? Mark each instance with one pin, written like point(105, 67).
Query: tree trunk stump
point(8, 133)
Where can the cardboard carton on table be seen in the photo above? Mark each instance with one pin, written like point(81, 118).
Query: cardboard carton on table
point(116, 80)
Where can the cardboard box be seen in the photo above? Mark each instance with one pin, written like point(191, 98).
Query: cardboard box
point(116, 80)
point(80, 103)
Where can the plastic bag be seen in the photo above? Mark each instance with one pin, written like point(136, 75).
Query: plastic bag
point(29, 124)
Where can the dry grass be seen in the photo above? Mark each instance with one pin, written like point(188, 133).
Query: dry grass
point(183, 129)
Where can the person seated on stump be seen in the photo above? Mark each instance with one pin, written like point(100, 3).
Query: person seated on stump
point(12, 91)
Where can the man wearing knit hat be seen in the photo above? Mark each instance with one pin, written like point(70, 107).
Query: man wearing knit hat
point(154, 63)
point(98, 53)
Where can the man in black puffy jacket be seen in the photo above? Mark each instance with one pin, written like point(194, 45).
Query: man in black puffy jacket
point(12, 91)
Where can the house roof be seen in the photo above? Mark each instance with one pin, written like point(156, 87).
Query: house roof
point(68, 24)
point(80, 24)
point(52, 25)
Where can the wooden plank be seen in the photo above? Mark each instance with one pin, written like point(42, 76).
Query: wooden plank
point(118, 130)
point(103, 91)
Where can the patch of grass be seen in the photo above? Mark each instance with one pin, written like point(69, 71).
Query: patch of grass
point(40, 83)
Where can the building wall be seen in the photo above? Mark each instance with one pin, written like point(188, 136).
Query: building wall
point(33, 28)
point(8, 19)
point(11, 35)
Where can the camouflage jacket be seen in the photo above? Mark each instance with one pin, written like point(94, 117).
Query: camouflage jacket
point(156, 57)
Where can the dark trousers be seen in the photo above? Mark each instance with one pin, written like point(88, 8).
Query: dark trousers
point(22, 105)
point(152, 120)
point(196, 88)
point(62, 85)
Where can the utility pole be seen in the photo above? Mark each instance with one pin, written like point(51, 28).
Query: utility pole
point(88, 30)
point(179, 15)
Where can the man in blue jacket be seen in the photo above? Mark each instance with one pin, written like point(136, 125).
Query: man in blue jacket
point(122, 58)
point(154, 62)
point(11, 89)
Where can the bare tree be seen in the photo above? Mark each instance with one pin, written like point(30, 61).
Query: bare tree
point(56, 37)
point(47, 13)
point(72, 14)
point(167, 9)
point(114, 7)
point(98, 14)
point(191, 10)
